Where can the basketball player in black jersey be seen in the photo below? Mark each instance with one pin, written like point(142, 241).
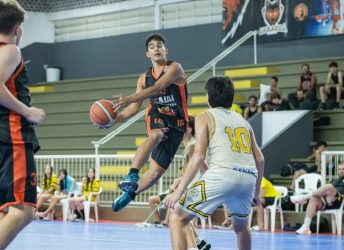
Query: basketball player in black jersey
point(164, 83)
point(334, 86)
point(18, 180)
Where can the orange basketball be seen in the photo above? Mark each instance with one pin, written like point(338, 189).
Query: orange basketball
point(102, 113)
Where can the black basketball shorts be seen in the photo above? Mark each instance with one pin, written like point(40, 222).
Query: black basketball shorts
point(18, 177)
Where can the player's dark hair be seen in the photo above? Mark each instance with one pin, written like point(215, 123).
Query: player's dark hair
point(254, 97)
point(275, 78)
point(320, 143)
point(275, 95)
point(192, 124)
point(220, 91)
point(155, 36)
point(88, 179)
point(46, 177)
point(11, 14)
point(63, 183)
point(333, 64)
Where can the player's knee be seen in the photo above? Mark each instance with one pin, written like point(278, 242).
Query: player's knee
point(240, 225)
point(156, 136)
point(21, 216)
point(151, 200)
point(177, 220)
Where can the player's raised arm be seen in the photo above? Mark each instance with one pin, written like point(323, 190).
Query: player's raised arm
point(174, 74)
point(134, 107)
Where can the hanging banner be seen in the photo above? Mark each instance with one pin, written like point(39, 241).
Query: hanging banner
point(277, 20)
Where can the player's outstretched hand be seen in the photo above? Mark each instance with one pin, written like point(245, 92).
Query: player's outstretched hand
point(172, 199)
point(119, 101)
point(35, 115)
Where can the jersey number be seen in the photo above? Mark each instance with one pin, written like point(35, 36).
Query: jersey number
point(240, 140)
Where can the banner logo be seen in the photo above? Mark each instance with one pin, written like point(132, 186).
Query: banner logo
point(272, 13)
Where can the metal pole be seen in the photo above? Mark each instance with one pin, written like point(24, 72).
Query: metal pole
point(214, 69)
point(323, 168)
point(255, 47)
point(96, 152)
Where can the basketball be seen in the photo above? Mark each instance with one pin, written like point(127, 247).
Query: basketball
point(102, 113)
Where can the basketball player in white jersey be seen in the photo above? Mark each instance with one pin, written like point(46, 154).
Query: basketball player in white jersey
point(235, 168)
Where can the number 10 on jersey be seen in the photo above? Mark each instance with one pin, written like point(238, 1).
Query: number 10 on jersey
point(240, 140)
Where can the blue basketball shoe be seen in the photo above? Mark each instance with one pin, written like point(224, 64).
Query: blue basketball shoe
point(130, 182)
point(122, 201)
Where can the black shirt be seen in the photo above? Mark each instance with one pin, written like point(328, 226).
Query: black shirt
point(283, 106)
point(14, 128)
point(339, 185)
point(171, 103)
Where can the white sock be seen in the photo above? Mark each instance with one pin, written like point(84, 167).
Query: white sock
point(198, 240)
point(307, 222)
point(193, 248)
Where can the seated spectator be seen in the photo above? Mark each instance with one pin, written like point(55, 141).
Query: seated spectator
point(155, 200)
point(236, 108)
point(279, 104)
point(49, 186)
point(90, 184)
point(66, 187)
point(329, 196)
point(265, 94)
point(305, 96)
point(267, 194)
point(333, 88)
point(252, 108)
point(319, 147)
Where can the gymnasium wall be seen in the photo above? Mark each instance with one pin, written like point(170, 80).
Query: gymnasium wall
point(38, 27)
point(191, 46)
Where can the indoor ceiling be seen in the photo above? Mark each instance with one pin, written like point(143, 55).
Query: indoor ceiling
point(60, 5)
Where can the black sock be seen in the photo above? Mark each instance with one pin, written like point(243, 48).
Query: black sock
point(134, 170)
point(78, 215)
point(82, 213)
point(132, 194)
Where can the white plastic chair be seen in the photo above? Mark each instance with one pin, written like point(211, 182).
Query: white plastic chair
point(310, 184)
point(203, 222)
point(87, 205)
point(277, 206)
point(336, 217)
point(283, 191)
point(65, 202)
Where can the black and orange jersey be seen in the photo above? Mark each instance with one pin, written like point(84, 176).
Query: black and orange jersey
point(170, 106)
point(14, 128)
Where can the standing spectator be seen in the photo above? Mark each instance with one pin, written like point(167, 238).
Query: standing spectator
point(329, 196)
point(279, 103)
point(333, 88)
point(305, 96)
point(265, 94)
point(252, 108)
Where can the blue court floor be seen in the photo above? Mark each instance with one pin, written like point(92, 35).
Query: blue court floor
point(78, 235)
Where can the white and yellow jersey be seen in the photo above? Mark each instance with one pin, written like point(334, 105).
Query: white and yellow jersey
point(230, 142)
